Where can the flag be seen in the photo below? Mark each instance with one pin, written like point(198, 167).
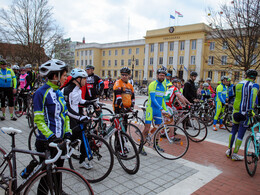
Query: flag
point(172, 17)
point(179, 14)
point(185, 68)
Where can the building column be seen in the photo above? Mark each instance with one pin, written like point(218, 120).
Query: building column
point(80, 66)
point(175, 57)
point(146, 61)
point(186, 59)
point(165, 54)
point(199, 54)
point(155, 60)
point(215, 76)
point(204, 77)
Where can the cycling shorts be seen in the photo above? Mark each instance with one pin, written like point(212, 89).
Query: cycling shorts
point(7, 92)
point(152, 114)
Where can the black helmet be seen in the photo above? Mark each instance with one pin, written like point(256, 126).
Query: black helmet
point(251, 73)
point(125, 70)
point(193, 73)
point(3, 62)
point(176, 80)
point(162, 70)
point(90, 67)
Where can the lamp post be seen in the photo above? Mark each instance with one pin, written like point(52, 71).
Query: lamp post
point(133, 65)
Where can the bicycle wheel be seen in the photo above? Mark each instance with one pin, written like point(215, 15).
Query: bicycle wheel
point(192, 126)
point(251, 157)
point(5, 171)
point(18, 109)
point(228, 122)
point(32, 138)
point(102, 160)
point(173, 148)
point(71, 183)
point(110, 94)
point(126, 152)
point(133, 129)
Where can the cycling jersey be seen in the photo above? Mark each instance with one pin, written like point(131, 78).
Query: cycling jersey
point(123, 95)
point(7, 78)
point(30, 79)
point(106, 84)
point(205, 94)
point(167, 83)
point(231, 93)
point(156, 102)
point(170, 96)
point(50, 111)
point(94, 85)
point(23, 81)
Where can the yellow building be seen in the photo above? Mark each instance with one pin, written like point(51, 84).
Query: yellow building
point(181, 49)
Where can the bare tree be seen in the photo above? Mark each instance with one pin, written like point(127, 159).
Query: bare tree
point(30, 24)
point(236, 31)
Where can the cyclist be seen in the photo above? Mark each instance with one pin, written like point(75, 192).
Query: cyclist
point(208, 80)
point(168, 80)
point(72, 95)
point(16, 69)
point(205, 93)
point(231, 91)
point(124, 97)
point(30, 76)
point(156, 104)
point(189, 90)
point(93, 87)
point(106, 87)
point(246, 92)
point(8, 86)
point(23, 82)
point(221, 101)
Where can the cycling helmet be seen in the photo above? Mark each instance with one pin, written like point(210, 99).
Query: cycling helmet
point(208, 79)
point(193, 73)
point(161, 70)
point(52, 66)
point(90, 67)
point(164, 68)
point(28, 66)
point(22, 68)
point(176, 80)
point(223, 78)
point(205, 85)
point(251, 73)
point(125, 70)
point(229, 79)
point(3, 62)
point(16, 67)
point(78, 73)
point(168, 75)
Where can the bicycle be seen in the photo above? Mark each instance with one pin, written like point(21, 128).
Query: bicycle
point(45, 177)
point(170, 148)
point(252, 145)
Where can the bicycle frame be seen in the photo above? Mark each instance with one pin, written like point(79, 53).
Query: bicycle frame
point(257, 144)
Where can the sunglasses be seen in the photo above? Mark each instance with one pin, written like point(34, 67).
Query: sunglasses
point(125, 75)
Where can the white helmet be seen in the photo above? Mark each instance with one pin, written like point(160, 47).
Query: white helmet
point(28, 66)
point(205, 85)
point(52, 66)
point(76, 73)
point(16, 67)
point(208, 79)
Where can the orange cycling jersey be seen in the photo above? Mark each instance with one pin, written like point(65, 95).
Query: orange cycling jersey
point(123, 94)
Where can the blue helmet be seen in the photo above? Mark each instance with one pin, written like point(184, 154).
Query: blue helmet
point(168, 75)
point(78, 73)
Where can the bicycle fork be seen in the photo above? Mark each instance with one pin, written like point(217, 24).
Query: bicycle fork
point(87, 147)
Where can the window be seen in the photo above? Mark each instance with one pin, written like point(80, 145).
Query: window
point(225, 45)
point(181, 74)
point(182, 45)
point(151, 61)
point(212, 45)
point(160, 60)
point(90, 52)
point(223, 60)
point(103, 73)
point(115, 62)
point(77, 62)
point(192, 60)
point(223, 73)
point(161, 47)
point(81, 53)
point(137, 62)
point(253, 62)
point(115, 73)
point(129, 51)
point(103, 63)
point(104, 53)
point(137, 51)
point(150, 73)
point(181, 60)
point(170, 60)
point(143, 62)
point(109, 52)
point(116, 52)
point(81, 62)
point(90, 62)
point(86, 62)
point(193, 44)
point(109, 62)
point(86, 52)
point(77, 53)
point(129, 62)
point(109, 73)
point(236, 76)
point(211, 60)
point(136, 73)
point(210, 74)
point(151, 47)
point(122, 62)
point(171, 46)
point(122, 52)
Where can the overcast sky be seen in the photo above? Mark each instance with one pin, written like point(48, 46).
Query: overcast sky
point(105, 21)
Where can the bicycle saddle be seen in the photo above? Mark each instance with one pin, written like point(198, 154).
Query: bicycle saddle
point(10, 130)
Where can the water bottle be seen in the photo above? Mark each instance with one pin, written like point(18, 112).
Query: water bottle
point(27, 171)
point(257, 137)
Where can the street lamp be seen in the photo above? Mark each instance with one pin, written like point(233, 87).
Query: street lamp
point(133, 65)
